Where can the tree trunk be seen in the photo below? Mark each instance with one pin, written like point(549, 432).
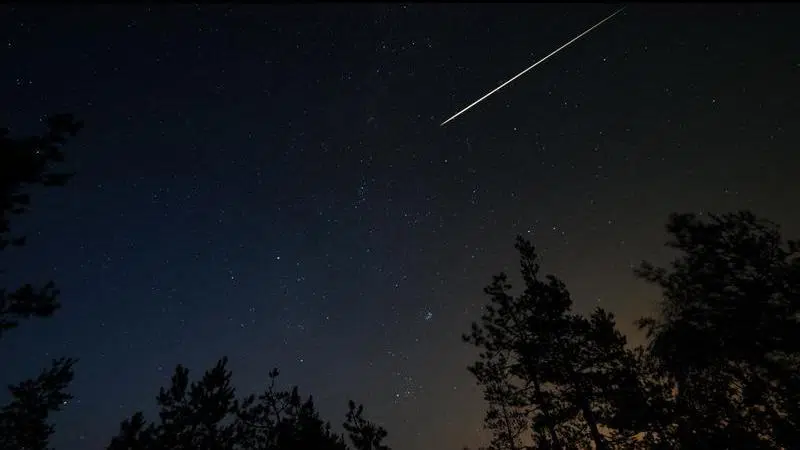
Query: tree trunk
point(512, 444)
point(551, 426)
point(586, 408)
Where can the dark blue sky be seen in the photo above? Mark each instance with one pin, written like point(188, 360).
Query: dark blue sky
point(271, 183)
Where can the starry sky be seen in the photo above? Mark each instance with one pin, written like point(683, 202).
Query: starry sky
point(271, 183)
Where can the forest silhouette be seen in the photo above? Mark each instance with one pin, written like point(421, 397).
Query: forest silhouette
point(719, 368)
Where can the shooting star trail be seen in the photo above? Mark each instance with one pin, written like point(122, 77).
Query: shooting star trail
point(531, 67)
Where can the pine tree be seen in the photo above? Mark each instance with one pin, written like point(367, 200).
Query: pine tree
point(552, 379)
point(726, 331)
point(206, 414)
point(25, 163)
point(24, 420)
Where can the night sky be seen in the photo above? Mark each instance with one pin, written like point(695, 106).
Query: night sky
point(271, 183)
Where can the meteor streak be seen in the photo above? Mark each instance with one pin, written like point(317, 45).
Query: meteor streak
point(531, 67)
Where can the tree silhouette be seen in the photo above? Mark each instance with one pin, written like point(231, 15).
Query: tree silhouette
point(598, 371)
point(23, 422)
point(364, 434)
point(27, 162)
point(726, 333)
point(206, 414)
point(552, 379)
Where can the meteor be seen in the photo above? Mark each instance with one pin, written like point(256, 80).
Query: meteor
point(531, 67)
